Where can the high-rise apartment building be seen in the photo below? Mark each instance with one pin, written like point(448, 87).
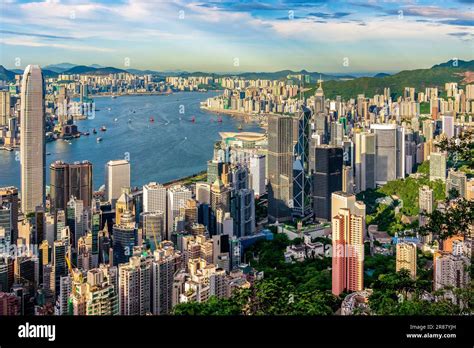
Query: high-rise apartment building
point(135, 286)
point(4, 107)
point(438, 166)
point(406, 258)
point(177, 197)
point(154, 198)
point(347, 252)
point(257, 174)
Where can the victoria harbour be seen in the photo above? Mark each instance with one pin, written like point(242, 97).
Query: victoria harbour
point(177, 143)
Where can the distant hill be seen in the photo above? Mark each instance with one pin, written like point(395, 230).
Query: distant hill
point(460, 64)
point(382, 75)
point(6, 75)
point(59, 68)
point(82, 69)
point(436, 76)
point(143, 72)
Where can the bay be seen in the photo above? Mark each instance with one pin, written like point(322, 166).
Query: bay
point(171, 147)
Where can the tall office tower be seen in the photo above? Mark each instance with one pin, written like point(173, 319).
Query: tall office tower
point(386, 156)
point(123, 203)
point(280, 167)
point(239, 177)
point(451, 270)
point(364, 144)
point(6, 224)
point(154, 198)
point(220, 200)
point(337, 133)
point(301, 175)
point(60, 222)
point(327, 179)
point(347, 252)
point(94, 296)
point(401, 152)
point(60, 250)
point(9, 199)
point(177, 197)
point(32, 147)
point(153, 227)
point(135, 286)
point(68, 180)
point(448, 125)
point(243, 212)
point(189, 213)
point(321, 128)
point(257, 174)
point(456, 181)
point(166, 262)
point(438, 166)
point(203, 192)
point(425, 199)
point(406, 258)
point(76, 219)
point(319, 99)
point(39, 232)
point(125, 237)
point(4, 107)
point(95, 223)
point(117, 175)
point(347, 179)
point(62, 304)
point(214, 170)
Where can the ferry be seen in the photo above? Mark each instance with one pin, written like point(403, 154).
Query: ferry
point(86, 133)
point(99, 139)
point(114, 96)
point(103, 129)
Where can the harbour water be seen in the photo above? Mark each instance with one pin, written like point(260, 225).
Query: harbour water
point(155, 132)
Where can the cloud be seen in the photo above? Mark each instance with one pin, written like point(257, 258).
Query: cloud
point(329, 15)
point(46, 36)
point(32, 43)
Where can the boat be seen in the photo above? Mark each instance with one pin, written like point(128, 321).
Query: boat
point(86, 133)
point(152, 119)
point(48, 153)
point(103, 129)
point(114, 96)
point(240, 127)
point(115, 119)
point(99, 139)
point(193, 119)
point(219, 119)
point(129, 120)
point(94, 131)
point(108, 109)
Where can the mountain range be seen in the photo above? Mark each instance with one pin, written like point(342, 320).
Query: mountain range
point(346, 86)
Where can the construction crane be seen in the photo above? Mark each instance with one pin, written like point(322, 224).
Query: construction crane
point(75, 276)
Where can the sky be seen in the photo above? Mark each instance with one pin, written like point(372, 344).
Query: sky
point(235, 36)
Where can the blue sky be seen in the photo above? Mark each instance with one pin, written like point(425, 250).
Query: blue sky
point(327, 36)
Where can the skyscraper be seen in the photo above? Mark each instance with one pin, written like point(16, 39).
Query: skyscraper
point(386, 157)
point(301, 177)
point(243, 212)
point(124, 238)
point(4, 107)
point(9, 199)
point(32, 148)
point(257, 174)
point(406, 258)
point(347, 252)
point(154, 198)
point(438, 166)
point(280, 167)
point(177, 197)
point(68, 180)
point(425, 199)
point(117, 175)
point(327, 179)
point(135, 286)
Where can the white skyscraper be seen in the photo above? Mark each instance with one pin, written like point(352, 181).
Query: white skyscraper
point(177, 197)
point(117, 175)
point(32, 148)
point(448, 126)
point(257, 174)
point(154, 198)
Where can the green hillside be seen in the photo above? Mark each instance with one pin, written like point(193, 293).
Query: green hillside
point(420, 79)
